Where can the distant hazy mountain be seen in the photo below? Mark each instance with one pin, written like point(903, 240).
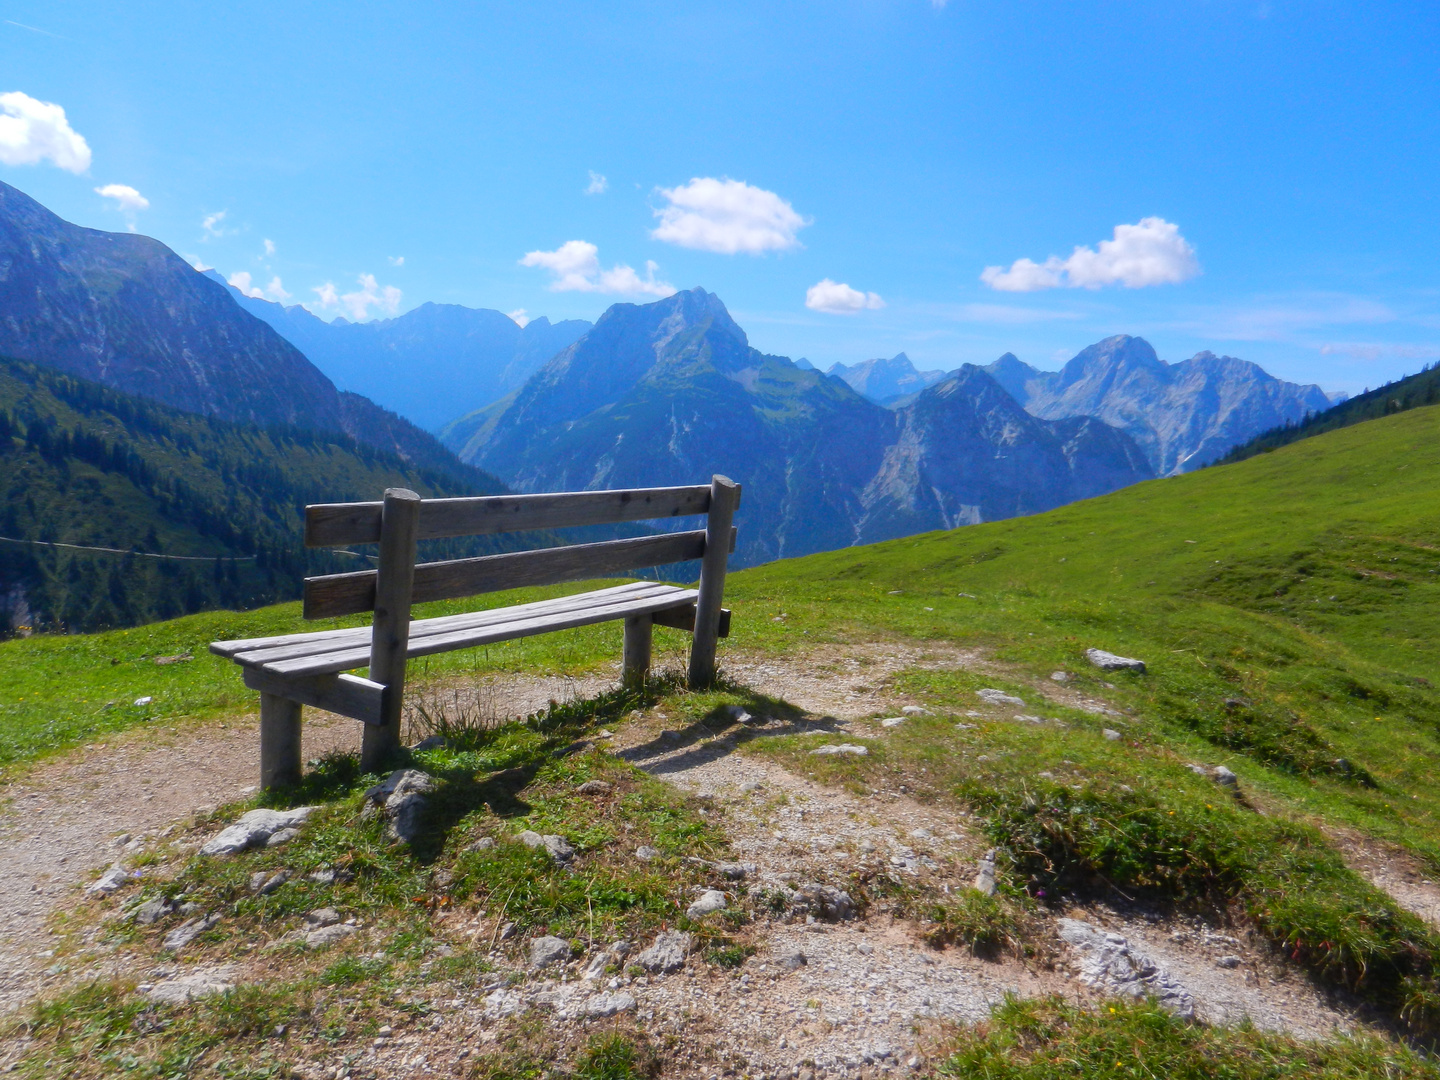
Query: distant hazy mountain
point(125, 311)
point(671, 392)
point(886, 381)
point(429, 365)
point(1182, 415)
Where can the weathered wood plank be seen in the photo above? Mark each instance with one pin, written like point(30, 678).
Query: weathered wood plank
point(635, 667)
point(280, 759)
point(298, 645)
point(348, 695)
point(485, 635)
point(337, 524)
point(724, 500)
point(683, 618)
point(348, 594)
point(390, 630)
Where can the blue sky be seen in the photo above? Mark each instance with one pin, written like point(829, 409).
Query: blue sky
point(1272, 165)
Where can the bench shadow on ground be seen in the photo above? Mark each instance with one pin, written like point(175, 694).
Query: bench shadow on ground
point(719, 733)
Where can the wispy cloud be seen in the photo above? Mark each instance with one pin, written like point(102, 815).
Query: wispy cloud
point(598, 184)
point(1011, 314)
point(269, 248)
point(36, 30)
point(212, 225)
point(1381, 350)
point(358, 303)
point(274, 291)
point(1151, 252)
point(575, 267)
point(1292, 319)
point(727, 216)
point(837, 298)
point(32, 131)
point(126, 197)
point(520, 317)
point(396, 260)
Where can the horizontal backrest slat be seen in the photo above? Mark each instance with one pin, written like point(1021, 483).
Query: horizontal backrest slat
point(349, 594)
point(337, 524)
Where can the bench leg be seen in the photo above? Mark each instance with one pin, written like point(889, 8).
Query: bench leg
point(637, 649)
point(378, 745)
point(280, 763)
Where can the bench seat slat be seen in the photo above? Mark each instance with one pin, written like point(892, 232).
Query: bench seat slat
point(344, 637)
point(523, 626)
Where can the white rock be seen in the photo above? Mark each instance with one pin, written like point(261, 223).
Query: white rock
point(109, 881)
point(1110, 965)
point(667, 954)
point(991, 696)
point(143, 700)
point(645, 853)
point(1224, 777)
point(324, 936)
point(187, 932)
point(842, 748)
point(545, 951)
point(915, 710)
point(1111, 734)
point(503, 1003)
point(985, 877)
point(1060, 676)
point(607, 1003)
point(183, 988)
point(1108, 661)
point(253, 829)
point(711, 901)
point(892, 721)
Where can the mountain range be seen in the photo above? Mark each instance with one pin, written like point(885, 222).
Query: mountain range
point(669, 392)
point(430, 364)
point(885, 382)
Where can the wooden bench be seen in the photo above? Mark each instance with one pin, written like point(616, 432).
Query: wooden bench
point(311, 669)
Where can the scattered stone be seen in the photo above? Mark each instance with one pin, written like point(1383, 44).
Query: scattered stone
point(1233, 703)
point(711, 900)
point(645, 852)
point(325, 916)
point(596, 787)
point(401, 798)
point(1228, 962)
point(152, 911)
point(991, 696)
point(748, 787)
point(263, 884)
point(1108, 661)
point(1060, 676)
point(792, 961)
point(178, 658)
point(1198, 770)
point(915, 710)
point(1111, 734)
point(547, 950)
point(187, 932)
point(1224, 777)
point(557, 847)
point(892, 721)
point(1110, 965)
point(867, 846)
point(507, 932)
point(485, 843)
point(183, 988)
point(607, 1003)
point(605, 733)
point(734, 871)
point(738, 714)
point(964, 727)
point(283, 836)
point(667, 954)
point(841, 748)
point(323, 936)
point(1026, 718)
point(822, 901)
point(985, 875)
point(502, 1003)
point(432, 742)
point(109, 881)
point(139, 701)
point(254, 829)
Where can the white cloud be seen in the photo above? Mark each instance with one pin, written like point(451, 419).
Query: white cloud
point(211, 223)
point(837, 298)
point(598, 184)
point(1151, 252)
point(274, 291)
point(1379, 350)
point(519, 317)
point(33, 131)
point(269, 248)
point(396, 260)
point(126, 197)
point(575, 265)
point(370, 294)
point(198, 263)
point(727, 216)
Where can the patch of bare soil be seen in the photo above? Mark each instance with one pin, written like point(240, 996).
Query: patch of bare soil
point(1393, 870)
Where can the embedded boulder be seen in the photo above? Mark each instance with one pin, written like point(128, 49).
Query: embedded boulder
point(254, 829)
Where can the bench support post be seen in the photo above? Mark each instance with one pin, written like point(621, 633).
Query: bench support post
point(637, 650)
point(279, 741)
point(390, 632)
point(724, 498)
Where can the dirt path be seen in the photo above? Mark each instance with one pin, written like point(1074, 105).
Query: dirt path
point(59, 822)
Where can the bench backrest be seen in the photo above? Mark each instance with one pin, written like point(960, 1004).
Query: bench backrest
point(403, 518)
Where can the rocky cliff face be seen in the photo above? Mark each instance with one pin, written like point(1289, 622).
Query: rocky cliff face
point(671, 392)
point(126, 311)
point(431, 364)
point(886, 381)
point(1182, 415)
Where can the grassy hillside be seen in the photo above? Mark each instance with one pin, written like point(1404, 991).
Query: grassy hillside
point(85, 465)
